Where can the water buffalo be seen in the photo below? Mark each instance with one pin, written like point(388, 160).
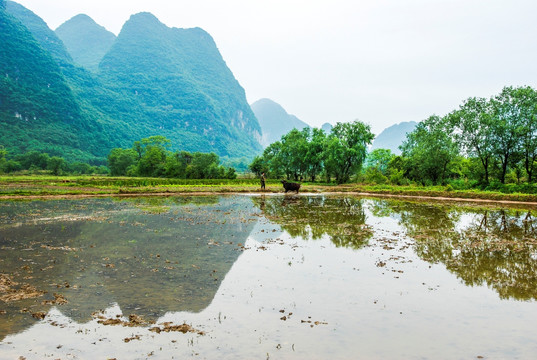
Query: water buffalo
point(289, 186)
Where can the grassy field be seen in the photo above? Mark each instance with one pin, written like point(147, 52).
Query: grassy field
point(41, 185)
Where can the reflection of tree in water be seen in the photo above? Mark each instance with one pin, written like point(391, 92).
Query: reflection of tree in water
point(312, 217)
point(481, 246)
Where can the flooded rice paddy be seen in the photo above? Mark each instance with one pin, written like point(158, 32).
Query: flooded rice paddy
point(266, 277)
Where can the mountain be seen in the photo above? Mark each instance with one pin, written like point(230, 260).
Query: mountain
point(178, 85)
point(274, 121)
point(38, 110)
point(40, 31)
point(154, 80)
point(393, 136)
point(85, 40)
point(327, 127)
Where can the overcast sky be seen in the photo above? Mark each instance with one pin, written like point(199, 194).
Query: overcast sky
point(379, 61)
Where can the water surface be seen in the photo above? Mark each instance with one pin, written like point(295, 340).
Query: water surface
point(282, 277)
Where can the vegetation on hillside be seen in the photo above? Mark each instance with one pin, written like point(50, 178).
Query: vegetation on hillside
point(86, 41)
point(154, 81)
point(38, 110)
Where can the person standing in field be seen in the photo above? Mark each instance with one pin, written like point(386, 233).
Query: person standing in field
point(262, 181)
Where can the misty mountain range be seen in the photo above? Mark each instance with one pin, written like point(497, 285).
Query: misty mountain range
point(80, 91)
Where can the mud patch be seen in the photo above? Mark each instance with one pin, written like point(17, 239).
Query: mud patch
point(13, 291)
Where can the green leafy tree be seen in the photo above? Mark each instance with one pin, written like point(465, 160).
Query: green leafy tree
point(508, 126)
point(55, 165)
point(3, 153)
point(473, 124)
point(10, 166)
point(205, 166)
point(258, 166)
point(119, 161)
point(33, 158)
point(230, 173)
point(526, 107)
point(80, 168)
point(380, 159)
point(346, 149)
point(153, 162)
point(177, 163)
point(274, 160)
point(293, 153)
point(429, 150)
point(315, 153)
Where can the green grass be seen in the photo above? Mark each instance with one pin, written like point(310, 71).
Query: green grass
point(46, 185)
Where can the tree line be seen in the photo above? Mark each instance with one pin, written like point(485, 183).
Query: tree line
point(308, 154)
point(482, 142)
point(38, 162)
point(150, 157)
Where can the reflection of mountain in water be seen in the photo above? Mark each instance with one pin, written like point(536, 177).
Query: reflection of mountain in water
point(149, 256)
point(340, 218)
point(493, 247)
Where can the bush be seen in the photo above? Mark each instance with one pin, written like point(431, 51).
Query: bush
point(373, 175)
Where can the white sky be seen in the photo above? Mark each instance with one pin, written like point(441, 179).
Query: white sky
point(379, 61)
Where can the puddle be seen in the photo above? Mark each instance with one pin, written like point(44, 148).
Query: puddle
point(281, 277)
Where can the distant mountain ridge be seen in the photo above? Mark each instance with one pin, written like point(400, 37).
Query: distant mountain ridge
point(154, 80)
point(274, 121)
point(392, 137)
point(86, 41)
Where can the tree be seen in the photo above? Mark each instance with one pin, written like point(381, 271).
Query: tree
point(473, 130)
point(293, 153)
point(258, 166)
point(230, 173)
point(429, 150)
point(3, 153)
point(153, 162)
point(205, 166)
point(177, 163)
point(508, 126)
point(33, 159)
point(346, 149)
point(380, 159)
point(273, 159)
point(526, 105)
point(55, 165)
point(120, 160)
point(315, 153)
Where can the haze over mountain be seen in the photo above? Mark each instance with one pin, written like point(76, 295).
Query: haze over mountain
point(40, 31)
point(392, 137)
point(154, 80)
point(274, 121)
point(38, 109)
point(327, 127)
point(86, 41)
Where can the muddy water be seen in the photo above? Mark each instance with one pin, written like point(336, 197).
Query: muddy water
point(275, 277)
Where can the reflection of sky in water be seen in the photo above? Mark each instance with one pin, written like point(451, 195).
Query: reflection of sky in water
point(378, 301)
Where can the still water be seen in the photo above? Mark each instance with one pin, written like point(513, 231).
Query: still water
point(266, 277)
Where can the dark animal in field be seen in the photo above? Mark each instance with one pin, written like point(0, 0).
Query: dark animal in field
point(289, 186)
